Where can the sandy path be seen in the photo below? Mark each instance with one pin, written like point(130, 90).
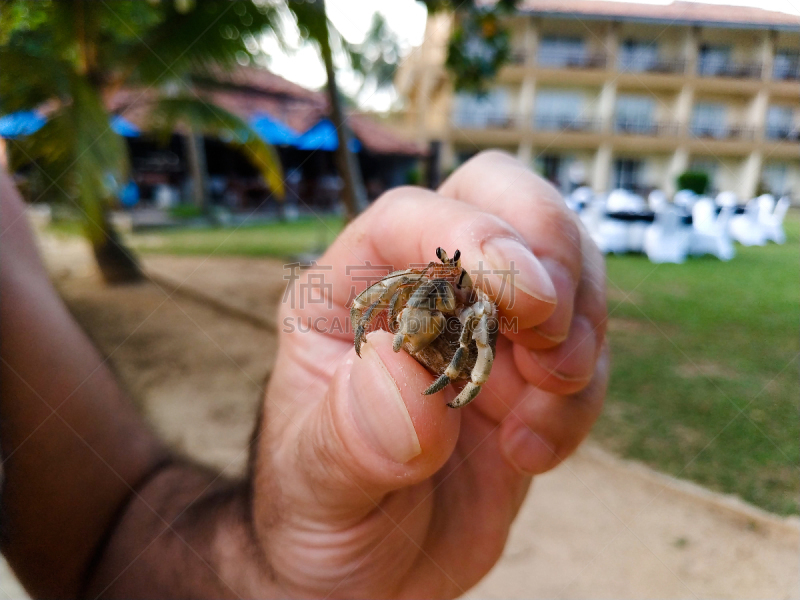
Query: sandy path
point(596, 527)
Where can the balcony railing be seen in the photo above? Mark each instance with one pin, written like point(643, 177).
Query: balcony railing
point(789, 134)
point(661, 65)
point(556, 59)
point(556, 123)
point(723, 132)
point(739, 70)
point(641, 127)
point(482, 120)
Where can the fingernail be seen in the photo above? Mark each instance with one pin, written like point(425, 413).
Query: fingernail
point(379, 410)
point(528, 274)
point(528, 452)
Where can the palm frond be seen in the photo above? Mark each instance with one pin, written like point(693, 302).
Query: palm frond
point(202, 35)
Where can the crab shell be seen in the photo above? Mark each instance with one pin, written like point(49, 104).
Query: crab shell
point(437, 355)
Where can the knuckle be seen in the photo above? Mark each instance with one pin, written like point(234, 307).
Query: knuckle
point(393, 196)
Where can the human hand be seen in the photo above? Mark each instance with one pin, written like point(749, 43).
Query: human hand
point(363, 486)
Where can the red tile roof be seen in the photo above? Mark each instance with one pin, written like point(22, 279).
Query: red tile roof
point(249, 91)
point(675, 13)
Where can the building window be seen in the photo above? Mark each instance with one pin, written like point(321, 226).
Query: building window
point(550, 168)
point(479, 112)
point(780, 123)
point(775, 178)
point(713, 60)
point(637, 56)
point(634, 114)
point(558, 110)
point(708, 120)
point(627, 173)
point(786, 65)
point(561, 52)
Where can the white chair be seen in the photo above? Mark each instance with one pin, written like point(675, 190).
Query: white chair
point(766, 204)
point(747, 229)
point(580, 198)
point(636, 233)
point(727, 199)
point(657, 200)
point(704, 214)
point(685, 199)
point(592, 213)
point(772, 222)
point(667, 239)
point(617, 200)
point(611, 235)
point(710, 231)
point(620, 200)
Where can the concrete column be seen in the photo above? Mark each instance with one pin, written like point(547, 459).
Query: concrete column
point(525, 152)
point(531, 41)
point(751, 175)
point(683, 108)
point(527, 97)
point(691, 49)
point(766, 54)
point(605, 105)
point(601, 169)
point(677, 165)
point(757, 112)
point(611, 46)
point(447, 160)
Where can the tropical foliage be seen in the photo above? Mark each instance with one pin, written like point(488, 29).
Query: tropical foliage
point(67, 58)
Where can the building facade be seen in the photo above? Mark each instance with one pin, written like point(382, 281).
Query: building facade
point(618, 95)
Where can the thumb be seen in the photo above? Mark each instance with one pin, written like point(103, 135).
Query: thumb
point(374, 432)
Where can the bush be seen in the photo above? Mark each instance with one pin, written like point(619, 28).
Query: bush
point(185, 211)
point(696, 181)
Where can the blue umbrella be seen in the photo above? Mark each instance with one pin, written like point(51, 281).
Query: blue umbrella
point(24, 122)
point(124, 127)
point(273, 131)
point(322, 136)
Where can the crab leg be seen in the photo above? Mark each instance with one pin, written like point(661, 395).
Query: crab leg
point(455, 366)
point(363, 310)
point(482, 368)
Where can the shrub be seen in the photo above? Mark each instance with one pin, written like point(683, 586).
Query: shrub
point(696, 181)
point(186, 211)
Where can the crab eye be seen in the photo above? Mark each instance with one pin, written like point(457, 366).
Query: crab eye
point(440, 254)
point(457, 255)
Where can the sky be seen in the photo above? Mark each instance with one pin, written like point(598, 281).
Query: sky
point(407, 19)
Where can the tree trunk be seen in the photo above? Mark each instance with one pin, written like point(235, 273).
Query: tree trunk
point(116, 262)
point(196, 158)
point(354, 194)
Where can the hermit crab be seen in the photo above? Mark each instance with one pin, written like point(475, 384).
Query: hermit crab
point(438, 317)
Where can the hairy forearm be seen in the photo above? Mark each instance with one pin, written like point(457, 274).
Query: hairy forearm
point(186, 533)
point(92, 500)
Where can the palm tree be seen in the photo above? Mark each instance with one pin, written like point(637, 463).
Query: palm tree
point(69, 57)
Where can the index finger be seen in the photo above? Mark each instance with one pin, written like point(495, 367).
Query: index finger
point(501, 185)
point(406, 226)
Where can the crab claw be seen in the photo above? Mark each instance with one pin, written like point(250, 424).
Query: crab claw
point(438, 385)
point(467, 395)
point(360, 338)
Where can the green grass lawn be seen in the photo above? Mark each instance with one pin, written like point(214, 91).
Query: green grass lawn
point(704, 382)
point(280, 239)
